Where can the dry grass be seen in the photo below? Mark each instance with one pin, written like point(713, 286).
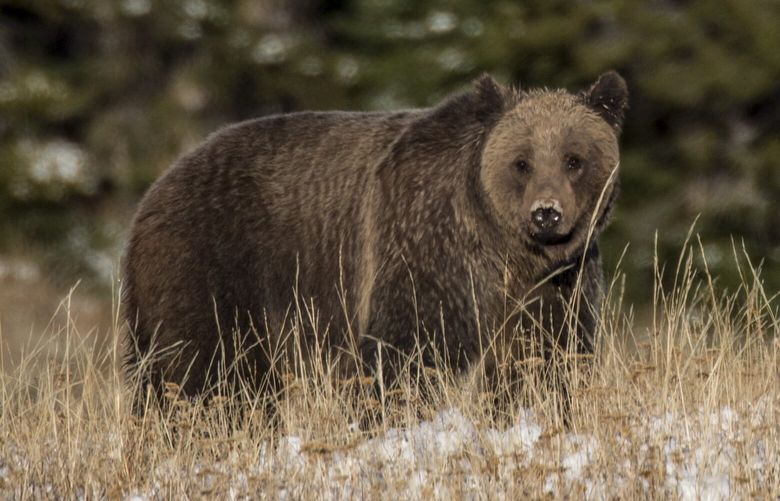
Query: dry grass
point(683, 406)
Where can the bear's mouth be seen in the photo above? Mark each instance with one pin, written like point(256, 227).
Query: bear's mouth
point(552, 239)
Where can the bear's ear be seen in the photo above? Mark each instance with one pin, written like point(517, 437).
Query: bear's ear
point(608, 97)
point(491, 96)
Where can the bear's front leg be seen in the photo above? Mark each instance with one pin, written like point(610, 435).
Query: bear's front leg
point(417, 331)
point(570, 324)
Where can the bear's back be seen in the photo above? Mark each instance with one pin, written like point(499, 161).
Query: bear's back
point(260, 208)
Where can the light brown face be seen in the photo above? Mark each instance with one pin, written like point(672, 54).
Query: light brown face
point(545, 166)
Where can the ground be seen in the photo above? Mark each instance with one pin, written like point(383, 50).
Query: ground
point(681, 404)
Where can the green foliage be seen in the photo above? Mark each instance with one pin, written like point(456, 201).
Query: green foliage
point(109, 93)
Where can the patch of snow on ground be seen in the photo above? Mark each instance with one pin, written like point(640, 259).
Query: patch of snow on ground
point(695, 455)
point(699, 455)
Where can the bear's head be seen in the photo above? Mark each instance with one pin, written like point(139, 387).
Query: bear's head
point(549, 161)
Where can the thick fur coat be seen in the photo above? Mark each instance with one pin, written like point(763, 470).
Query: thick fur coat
point(412, 231)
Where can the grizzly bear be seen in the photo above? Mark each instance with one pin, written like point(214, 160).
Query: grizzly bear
point(450, 232)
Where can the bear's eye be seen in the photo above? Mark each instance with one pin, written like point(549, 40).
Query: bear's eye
point(521, 165)
point(573, 162)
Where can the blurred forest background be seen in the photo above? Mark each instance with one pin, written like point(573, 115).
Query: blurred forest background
point(97, 97)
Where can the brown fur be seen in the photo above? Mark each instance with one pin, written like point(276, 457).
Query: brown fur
point(406, 229)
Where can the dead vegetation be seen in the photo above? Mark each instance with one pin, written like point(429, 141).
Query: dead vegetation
point(682, 404)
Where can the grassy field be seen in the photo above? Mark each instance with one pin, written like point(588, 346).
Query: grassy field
point(683, 403)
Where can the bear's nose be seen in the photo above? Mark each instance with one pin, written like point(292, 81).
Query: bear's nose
point(546, 218)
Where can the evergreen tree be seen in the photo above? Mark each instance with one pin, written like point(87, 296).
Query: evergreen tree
point(96, 98)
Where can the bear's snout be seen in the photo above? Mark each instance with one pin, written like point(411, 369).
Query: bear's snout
point(546, 216)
